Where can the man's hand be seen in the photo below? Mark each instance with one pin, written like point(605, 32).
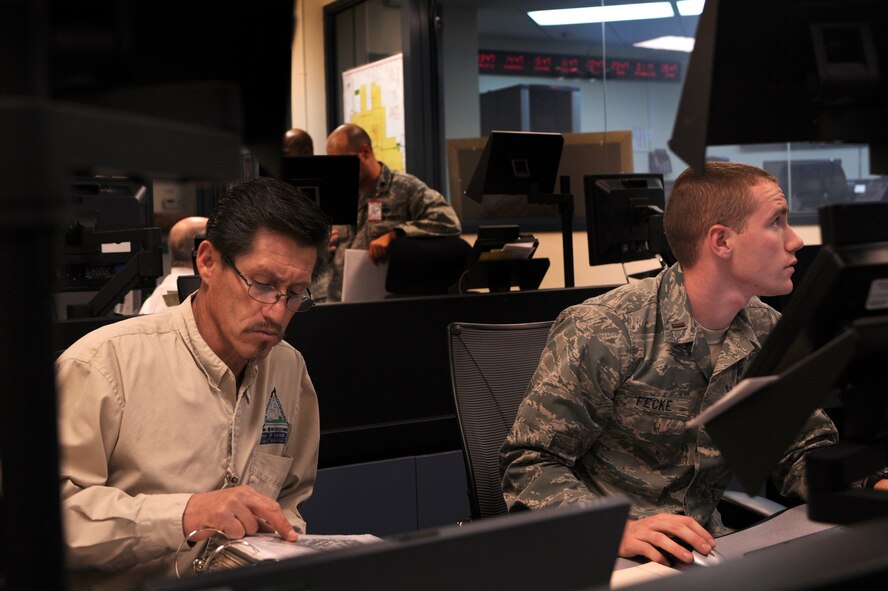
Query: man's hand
point(237, 511)
point(379, 247)
point(881, 484)
point(334, 239)
point(652, 535)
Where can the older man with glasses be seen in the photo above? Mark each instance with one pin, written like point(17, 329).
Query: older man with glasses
point(200, 419)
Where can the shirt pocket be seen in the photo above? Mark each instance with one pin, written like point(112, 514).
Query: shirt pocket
point(268, 473)
point(653, 426)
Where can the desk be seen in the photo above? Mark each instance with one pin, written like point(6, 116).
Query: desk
point(788, 551)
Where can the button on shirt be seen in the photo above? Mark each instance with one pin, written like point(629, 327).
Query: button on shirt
point(149, 415)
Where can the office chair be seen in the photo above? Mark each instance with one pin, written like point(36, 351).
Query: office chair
point(490, 367)
point(425, 266)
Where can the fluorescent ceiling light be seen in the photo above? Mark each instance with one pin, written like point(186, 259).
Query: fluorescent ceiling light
point(690, 7)
point(669, 43)
point(602, 14)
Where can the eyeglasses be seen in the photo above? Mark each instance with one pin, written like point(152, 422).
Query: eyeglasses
point(266, 294)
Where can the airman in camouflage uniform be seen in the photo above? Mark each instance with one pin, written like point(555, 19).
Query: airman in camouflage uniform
point(409, 207)
point(605, 411)
point(621, 373)
point(401, 203)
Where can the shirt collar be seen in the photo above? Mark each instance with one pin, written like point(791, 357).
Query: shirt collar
point(212, 365)
point(675, 309)
point(679, 324)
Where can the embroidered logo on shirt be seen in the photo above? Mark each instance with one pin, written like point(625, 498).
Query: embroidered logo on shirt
point(275, 429)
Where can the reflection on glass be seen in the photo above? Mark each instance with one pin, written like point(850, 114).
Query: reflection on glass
point(366, 32)
point(503, 71)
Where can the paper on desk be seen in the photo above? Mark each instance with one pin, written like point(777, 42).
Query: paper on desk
point(642, 573)
point(362, 280)
point(743, 389)
point(264, 547)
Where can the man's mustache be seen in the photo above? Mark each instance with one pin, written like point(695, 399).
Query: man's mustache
point(268, 326)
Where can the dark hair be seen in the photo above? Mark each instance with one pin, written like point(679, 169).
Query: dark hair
point(269, 204)
point(297, 142)
point(719, 194)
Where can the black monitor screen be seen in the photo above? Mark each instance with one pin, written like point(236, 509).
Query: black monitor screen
point(823, 65)
point(517, 163)
point(330, 181)
point(624, 217)
point(573, 547)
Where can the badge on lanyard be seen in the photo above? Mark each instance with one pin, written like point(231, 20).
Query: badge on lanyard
point(374, 210)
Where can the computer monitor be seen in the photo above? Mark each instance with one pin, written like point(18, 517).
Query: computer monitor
point(517, 163)
point(847, 281)
point(811, 183)
point(502, 258)
point(330, 181)
point(624, 217)
point(823, 65)
point(833, 336)
point(571, 547)
point(97, 206)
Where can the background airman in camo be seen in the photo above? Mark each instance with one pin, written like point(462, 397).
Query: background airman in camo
point(390, 204)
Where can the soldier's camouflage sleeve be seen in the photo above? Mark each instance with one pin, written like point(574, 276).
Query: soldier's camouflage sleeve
point(789, 476)
point(428, 213)
point(562, 414)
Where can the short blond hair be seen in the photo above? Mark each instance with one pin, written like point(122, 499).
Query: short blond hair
point(719, 194)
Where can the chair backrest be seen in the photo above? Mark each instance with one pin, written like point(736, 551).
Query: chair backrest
point(425, 266)
point(490, 366)
point(187, 285)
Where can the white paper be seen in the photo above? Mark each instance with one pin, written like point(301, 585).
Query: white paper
point(262, 547)
point(743, 389)
point(362, 281)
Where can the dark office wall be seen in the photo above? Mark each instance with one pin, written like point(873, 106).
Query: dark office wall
point(223, 64)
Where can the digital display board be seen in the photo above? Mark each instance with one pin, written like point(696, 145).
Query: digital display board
point(520, 63)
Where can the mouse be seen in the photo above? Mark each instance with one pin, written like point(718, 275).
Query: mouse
point(698, 559)
point(711, 559)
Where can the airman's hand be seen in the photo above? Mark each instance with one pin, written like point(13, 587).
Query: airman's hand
point(651, 536)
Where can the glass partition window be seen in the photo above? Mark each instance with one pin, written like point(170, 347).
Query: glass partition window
point(362, 32)
point(503, 70)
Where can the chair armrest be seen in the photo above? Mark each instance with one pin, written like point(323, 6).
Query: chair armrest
point(761, 505)
point(740, 510)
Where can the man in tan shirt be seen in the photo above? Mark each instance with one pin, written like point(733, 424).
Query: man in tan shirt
point(201, 416)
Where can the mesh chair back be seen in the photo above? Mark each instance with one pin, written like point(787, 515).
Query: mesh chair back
point(491, 366)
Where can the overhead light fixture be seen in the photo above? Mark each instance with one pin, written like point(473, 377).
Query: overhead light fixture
point(602, 14)
point(668, 43)
point(690, 7)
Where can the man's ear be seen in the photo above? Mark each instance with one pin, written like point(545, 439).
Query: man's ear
point(208, 261)
point(718, 241)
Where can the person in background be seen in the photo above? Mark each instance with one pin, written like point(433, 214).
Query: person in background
point(621, 373)
point(297, 142)
point(390, 204)
point(202, 417)
point(180, 243)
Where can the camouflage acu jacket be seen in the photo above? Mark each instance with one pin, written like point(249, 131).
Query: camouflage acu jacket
point(605, 410)
point(409, 206)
